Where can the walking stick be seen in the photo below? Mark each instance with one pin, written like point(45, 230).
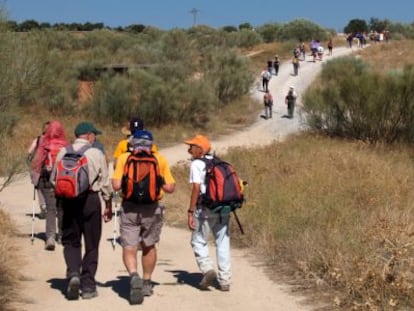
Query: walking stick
point(33, 214)
point(238, 222)
point(116, 199)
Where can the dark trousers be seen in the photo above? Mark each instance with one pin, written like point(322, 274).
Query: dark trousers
point(265, 84)
point(276, 66)
point(82, 217)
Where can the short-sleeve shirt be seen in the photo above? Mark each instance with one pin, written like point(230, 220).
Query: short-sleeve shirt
point(121, 148)
point(162, 162)
point(198, 173)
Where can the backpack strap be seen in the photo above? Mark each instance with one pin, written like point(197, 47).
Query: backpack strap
point(81, 151)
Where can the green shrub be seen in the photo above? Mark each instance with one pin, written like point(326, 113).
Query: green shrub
point(353, 101)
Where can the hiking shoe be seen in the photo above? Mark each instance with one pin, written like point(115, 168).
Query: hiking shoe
point(50, 244)
point(89, 294)
point(208, 279)
point(224, 287)
point(72, 292)
point(136, 296)
point(147, 288)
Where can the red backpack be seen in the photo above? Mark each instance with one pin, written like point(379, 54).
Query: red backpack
point(72, 174)
point(49, 161)
point(141, 180)
point(223, 188)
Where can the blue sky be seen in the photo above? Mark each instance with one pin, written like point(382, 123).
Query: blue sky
point(168, 14)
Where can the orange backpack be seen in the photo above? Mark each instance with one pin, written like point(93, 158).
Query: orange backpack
point(141, 180)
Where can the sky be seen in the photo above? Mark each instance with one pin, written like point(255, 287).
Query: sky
point(169, 14)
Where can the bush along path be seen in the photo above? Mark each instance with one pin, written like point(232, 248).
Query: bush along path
point(176, 275)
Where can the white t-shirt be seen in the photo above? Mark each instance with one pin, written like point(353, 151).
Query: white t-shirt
point(198, 173)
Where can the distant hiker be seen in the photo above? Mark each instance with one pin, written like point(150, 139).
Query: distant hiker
point(30, 155)
point(314, 44)
point(141, 213)
point(296, 64)
point(266, 76)
point(135, 124)
point(302, 49)
point(270, 66)
point(276, 63)
point(290, 101)
point(82, 216)
point(268, 105)
point(349, 39)
point(296, 52)
point(330, 46)
point(202, 221)
point(320, 52)
point(41, 168)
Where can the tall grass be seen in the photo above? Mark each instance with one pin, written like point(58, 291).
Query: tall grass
point(9, 264)
point(330, 213)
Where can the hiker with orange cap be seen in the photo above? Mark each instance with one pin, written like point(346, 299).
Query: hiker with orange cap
point(202, 220)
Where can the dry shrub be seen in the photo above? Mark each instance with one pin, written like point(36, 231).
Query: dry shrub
point(9, 264)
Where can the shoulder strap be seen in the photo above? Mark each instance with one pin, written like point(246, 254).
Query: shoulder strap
point(82, 150)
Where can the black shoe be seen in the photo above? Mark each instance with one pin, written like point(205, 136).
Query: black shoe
point(136, 296)
point(72, 292)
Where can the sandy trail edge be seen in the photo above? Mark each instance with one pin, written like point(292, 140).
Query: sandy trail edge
point(176, 274)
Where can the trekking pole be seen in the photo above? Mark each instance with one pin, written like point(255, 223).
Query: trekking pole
point(33, 214)
point(116, 199)
point(238, 222)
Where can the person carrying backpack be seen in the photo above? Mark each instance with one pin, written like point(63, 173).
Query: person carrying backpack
point(43, 161)
point(135, 124)
point(202, 220)
point(79, 175)
point(143, 176)
point(30, 155)
point(268, 105)
point(276, 64)
point(266, 76)
point(290, 101)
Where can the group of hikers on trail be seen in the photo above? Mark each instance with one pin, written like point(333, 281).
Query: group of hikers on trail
point(74, 181)
point(273, 65)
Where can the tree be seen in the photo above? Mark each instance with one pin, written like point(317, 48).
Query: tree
point(301, 30)
point(135, 28)
point(356, 25)
point(28, 25)
point(375, 24)
point(247, 26)
point(229, 28)
point(268, 32)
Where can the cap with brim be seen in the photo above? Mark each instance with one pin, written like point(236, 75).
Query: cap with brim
point(125, 131)
point(200, 141)
point(85, 128)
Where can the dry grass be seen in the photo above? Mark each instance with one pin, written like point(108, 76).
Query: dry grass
point(390, 56)
point(9, 264)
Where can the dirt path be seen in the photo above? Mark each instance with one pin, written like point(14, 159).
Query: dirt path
point(176, 274)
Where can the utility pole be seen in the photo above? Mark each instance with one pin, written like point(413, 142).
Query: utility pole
point(194, 11)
